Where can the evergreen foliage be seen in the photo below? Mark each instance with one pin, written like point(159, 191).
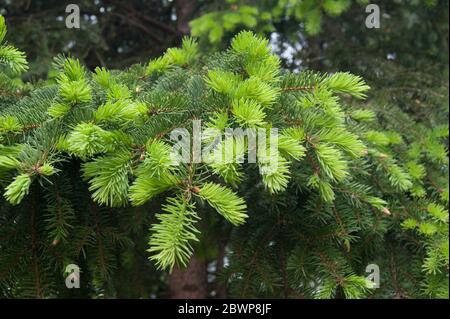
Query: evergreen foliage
point(85, 164)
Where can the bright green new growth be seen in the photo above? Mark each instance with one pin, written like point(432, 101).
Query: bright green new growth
point(112, 160)
point(18, 189)
point(347, 175)
point(108, 178)
point(175, 57)
point(228, 204)
point(170, 243)
point(11, 57)
point(248, 113)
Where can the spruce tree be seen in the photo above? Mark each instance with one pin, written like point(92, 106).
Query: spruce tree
point(89, 179)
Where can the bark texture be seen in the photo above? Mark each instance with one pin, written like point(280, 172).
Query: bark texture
point(191, 282)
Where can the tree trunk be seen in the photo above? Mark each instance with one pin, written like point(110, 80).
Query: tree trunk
point(191, 282)
point(185, 10)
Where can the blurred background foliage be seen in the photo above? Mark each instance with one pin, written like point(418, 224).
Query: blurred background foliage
point(323, 35)
point(113, 33)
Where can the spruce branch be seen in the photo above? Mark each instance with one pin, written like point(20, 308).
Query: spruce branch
point(18, 189)
point(344, 82)
point(226, 202)
point(170, 242)
point(108, 178)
